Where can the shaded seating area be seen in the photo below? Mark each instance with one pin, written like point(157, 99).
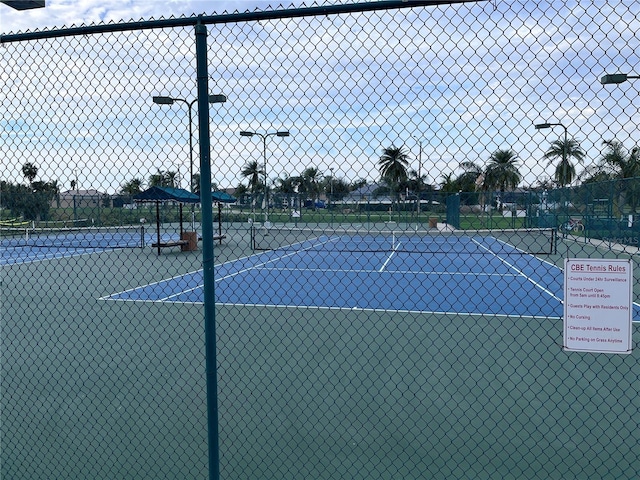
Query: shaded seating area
point(188, 241)
point(221, 197)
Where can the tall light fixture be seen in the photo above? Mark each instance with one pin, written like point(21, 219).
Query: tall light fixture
point(331, 186)
point(541, 126)
point(419, 175)
point(615, 78)
point(264, 136)
point(331, 195)
point(162, 100)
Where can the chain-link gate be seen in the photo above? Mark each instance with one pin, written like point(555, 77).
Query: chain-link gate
point(394, 189)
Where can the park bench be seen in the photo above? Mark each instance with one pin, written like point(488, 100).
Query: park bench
point(173, 243)
point(216, 237)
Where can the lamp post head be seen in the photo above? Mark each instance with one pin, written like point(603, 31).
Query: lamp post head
point(264, 136)
point(613, 78)
point(217, 98)
point(163, 100)
point(542, 125)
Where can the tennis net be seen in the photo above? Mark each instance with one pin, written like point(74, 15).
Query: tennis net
point(73, 237)
point(503, 241)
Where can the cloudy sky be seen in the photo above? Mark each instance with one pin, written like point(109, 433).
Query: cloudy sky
point(67, 13)
point(451, 84)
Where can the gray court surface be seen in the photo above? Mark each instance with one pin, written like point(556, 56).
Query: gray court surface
point(303, 392)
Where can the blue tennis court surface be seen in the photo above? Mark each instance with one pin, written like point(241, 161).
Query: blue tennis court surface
point(475, 275)
point(33, 245)
point(474, 283)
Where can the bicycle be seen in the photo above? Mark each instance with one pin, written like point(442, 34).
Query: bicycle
point(571, 226)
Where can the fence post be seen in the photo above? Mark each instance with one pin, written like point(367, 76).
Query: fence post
point(207, 252)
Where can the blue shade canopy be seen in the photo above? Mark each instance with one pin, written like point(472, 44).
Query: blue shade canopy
point(155, 194)
point(24, 4)
point(223, 197)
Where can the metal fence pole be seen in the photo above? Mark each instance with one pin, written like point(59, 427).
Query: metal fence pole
point(207, 252)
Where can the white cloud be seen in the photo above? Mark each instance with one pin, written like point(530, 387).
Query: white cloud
point(67, 13)
point(466, 83)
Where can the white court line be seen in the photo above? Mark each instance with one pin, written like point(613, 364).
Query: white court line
point(228, 262)
point(217, 279)
point(265, 264)
point(384, 265)
point(520, 272)
point(43, 257)
point(388, 310)
point(271, 260)
point(394, 272)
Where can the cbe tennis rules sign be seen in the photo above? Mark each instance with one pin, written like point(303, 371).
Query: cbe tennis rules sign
point(598, 305)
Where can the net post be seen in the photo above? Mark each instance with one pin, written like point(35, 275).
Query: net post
point(252, 236)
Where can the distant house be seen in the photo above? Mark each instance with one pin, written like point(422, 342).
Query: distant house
point(366, 194)
point(82, 199)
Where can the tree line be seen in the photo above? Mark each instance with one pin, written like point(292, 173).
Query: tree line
point(32, 201)
point(500, 173)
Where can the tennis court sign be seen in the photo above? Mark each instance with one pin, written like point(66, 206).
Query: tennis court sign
point(598, 305)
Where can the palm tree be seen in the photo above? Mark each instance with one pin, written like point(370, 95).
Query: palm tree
point(356, 184)
point(623, 164)
point(393, 165)
point(565, 170)
point(287, 187)
point(164, 178)
point(287, 184)
point(30, 171)
point(195, 183)
point(416, 182)
point(173, 179)
point(253, 171)
point(132, 187)
point(241, 190)
point(502, 172)
point(310, 182)
point(448, 184)
point(471, 178)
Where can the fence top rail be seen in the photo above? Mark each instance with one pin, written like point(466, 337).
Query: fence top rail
point(235, 17)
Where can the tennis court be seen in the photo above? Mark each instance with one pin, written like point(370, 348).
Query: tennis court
point(279, 350)
point(468, 274)
point(498, 273)
point(353, 339)
point(28, 244)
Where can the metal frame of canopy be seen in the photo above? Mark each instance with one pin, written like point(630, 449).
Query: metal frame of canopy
point(165, 194)
point(221, 197)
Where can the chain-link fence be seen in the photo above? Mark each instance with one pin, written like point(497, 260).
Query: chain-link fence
point(395, 189)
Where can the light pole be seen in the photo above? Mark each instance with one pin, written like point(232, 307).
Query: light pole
point(565, 172)
point(264, 136)
point(419, 185)
point(615, 78)
point(161, 100)
point(331, 194)
point(331, 186)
